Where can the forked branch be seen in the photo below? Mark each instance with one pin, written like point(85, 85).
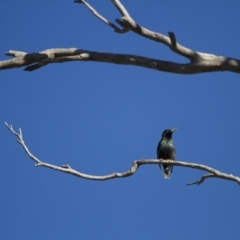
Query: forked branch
point(197, 62)
point(67, 169)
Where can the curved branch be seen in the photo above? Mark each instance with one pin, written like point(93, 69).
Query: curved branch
point(135, 165)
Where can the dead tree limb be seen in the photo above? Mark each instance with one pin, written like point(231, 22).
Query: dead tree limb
point(135, 165)
point(198, 62)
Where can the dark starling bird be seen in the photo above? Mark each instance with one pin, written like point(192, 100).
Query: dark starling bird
point(166, 150)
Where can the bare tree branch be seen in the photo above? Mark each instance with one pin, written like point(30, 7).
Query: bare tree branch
point(201, 180)
point(197, 62)
point(193, 56)
point(67, 169)
point(116, 29)
point(37, 60)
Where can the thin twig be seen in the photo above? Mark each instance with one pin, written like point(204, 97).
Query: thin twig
point(94, 12)
point(201, 180)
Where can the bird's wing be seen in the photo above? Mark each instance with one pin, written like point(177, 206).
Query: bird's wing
point(173, 157)
point(174, 154)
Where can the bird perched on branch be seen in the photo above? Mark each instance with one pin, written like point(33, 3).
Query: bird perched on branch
point(166, 150)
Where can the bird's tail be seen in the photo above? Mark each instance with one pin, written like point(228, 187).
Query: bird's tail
point(167, 172)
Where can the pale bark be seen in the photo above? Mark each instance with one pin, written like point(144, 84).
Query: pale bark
point(197, 62)
point(213, 173)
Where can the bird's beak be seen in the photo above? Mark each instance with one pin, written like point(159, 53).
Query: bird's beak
point(174, 129)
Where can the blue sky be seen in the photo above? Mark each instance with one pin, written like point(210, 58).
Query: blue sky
point(99, 117)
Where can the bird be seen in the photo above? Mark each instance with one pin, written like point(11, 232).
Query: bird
point(166, 150)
